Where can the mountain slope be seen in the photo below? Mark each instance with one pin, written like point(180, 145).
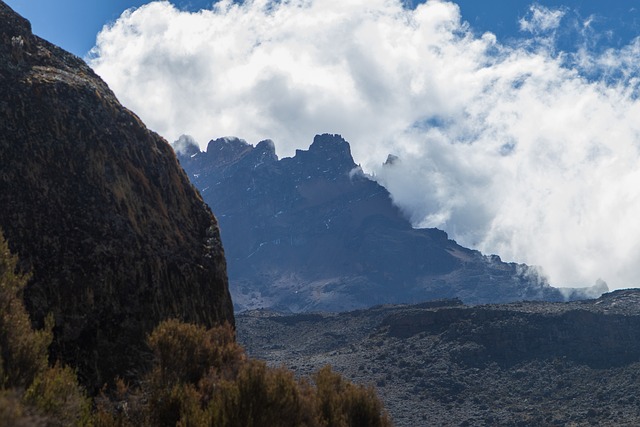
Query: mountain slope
point(99, 211)
point(312, 232)
point(446, 364)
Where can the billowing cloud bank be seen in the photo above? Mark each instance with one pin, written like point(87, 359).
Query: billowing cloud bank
point(514, 149)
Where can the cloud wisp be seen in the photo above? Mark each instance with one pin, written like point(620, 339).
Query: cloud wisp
point(514, 149)
point(541, 19)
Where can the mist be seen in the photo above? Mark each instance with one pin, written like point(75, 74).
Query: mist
point(513, 147)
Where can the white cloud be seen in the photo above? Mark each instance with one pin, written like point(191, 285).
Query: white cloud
point(541, 19)
point(508, 148)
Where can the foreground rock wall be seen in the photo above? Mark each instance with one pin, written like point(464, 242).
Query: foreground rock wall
point(98, 210)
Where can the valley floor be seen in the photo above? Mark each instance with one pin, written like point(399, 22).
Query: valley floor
point(518, 364)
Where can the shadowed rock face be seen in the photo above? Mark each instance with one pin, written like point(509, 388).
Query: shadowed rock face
point(312, 232)
point(98, 210)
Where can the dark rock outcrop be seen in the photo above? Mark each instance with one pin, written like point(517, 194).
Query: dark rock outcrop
point(312, 232)
point(599, 333)
point(98, 210)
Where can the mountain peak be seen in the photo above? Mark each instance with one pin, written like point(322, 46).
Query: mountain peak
point(186, 146)
point(330, 143)
point(228, 149)
point(333, 146)
point(392, 159)
point(227, 144)
point(329, 153)
point(266, 146)
point(264, 152)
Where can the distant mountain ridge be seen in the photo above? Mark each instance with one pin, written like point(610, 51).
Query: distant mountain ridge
point(312, 232)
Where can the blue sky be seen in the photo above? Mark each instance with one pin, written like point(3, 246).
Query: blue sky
point(74, 24)
point(516, 122)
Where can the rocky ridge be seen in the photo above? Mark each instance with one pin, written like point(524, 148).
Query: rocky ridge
point(98, 210)
point(445, 363)
point(313, 232)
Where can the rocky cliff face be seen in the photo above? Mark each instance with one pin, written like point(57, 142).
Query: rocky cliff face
point(98, 210)
point(313, 232)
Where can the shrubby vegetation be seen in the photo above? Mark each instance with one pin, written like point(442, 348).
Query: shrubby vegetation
point(202, 377)
point(199, 377)
point(31, 391)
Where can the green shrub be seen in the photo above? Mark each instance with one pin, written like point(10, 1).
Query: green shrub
point(123, 407)
point(185, 355)
point(184, 352)
point(56, 393)
point(13, 412)
point(52, 395)
point(201, 377)
point(262, 396)
point(23, 351)
point(345, 404)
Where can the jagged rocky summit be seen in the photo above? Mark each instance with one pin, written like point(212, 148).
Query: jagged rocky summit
point(312, 232)
point(98, 210)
